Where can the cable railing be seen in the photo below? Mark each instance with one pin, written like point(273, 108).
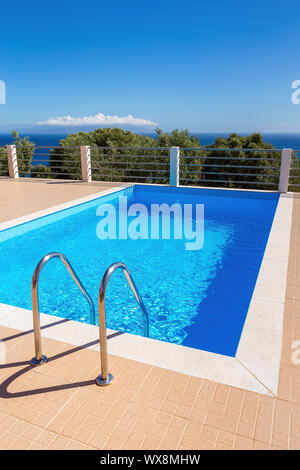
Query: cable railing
point(294, 173)
point(233, 168)
point(57, 162)
point(127, 164)
point(3, 161)
point(264, 169)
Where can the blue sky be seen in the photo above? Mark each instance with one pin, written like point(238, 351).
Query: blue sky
point(214, 66)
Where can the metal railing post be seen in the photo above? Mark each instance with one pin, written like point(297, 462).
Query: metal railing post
point(86, 167)
point(12, 159)
point(174, 166)
point(105, 378)
point(286, 155)
point(39, 357)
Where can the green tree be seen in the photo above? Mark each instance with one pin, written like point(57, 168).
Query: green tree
point(294, 180)
point(239, 168)
point(25, 150)
point(190, 160)
point(119, 155)
point(41, 171)
point(3, 162)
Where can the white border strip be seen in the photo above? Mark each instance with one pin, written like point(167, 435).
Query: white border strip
point(261, 340)
point(257, 362)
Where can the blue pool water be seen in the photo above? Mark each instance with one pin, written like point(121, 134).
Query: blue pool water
point(194, 298)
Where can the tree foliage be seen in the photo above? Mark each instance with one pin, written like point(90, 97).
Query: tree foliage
point(3, 162)
point(119, 155)
point(41, 171)
point(25, 150)
point(242, 168)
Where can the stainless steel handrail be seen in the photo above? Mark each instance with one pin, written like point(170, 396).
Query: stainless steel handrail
point(39, 357)
point(105, 378)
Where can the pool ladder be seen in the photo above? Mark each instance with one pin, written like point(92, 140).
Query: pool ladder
point(105, 378)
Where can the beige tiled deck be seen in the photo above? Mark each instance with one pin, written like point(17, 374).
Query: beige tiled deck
point(24, 196)
point(58, 406)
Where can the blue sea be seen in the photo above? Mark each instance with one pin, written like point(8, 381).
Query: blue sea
point(278, 140)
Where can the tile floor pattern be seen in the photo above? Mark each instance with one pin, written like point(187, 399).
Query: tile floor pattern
point(24, 196)
point(58, 406)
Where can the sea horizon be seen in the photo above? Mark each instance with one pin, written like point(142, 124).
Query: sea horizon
point(278, 140)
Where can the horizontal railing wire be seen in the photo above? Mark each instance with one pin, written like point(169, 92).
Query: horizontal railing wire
point(56, 162)
point(221, 167)
point(227, 149)
point(294, 174)
point(231, 167)
point(144, 164)
point(200, 182)
point(3, 162)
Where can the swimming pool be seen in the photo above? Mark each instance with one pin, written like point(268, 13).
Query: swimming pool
point(194, 298)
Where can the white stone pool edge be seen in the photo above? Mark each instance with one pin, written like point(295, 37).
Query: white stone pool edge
point(257, 362)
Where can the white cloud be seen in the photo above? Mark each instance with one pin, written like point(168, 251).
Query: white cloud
point(97, 119)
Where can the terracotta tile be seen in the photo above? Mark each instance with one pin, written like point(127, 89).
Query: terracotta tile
point(280, 440)
point(113, 444)
point(221, 394)
point(120, 433)
point(107, 426)
point(207, 390)
point(91, 422)
point(168, 407)
point(246, 430)
point(194, 443)
point(236, 398)
point(263, 430)
point(225, 424)
point(226, 438)
point(209, 407)
point(21, 444)
point(98, 441)
point(83, 435)
point(150, 443)
point(45, 438)
point(25, 413)
point(134, 440)
point(178, 423)
point(150, 428)
point(171, 439)
point(32, 432)
point(257, 445)
point(183, 411)
point(142, 411)
point(242, 443)
point(59, 443)
point(128, 420)
point(209, 433)
point(180, 398)
point(199, 416)
point(222, 447)
point(8, 439)
point(249, 413)
point(74, 445)
point(193, 428)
